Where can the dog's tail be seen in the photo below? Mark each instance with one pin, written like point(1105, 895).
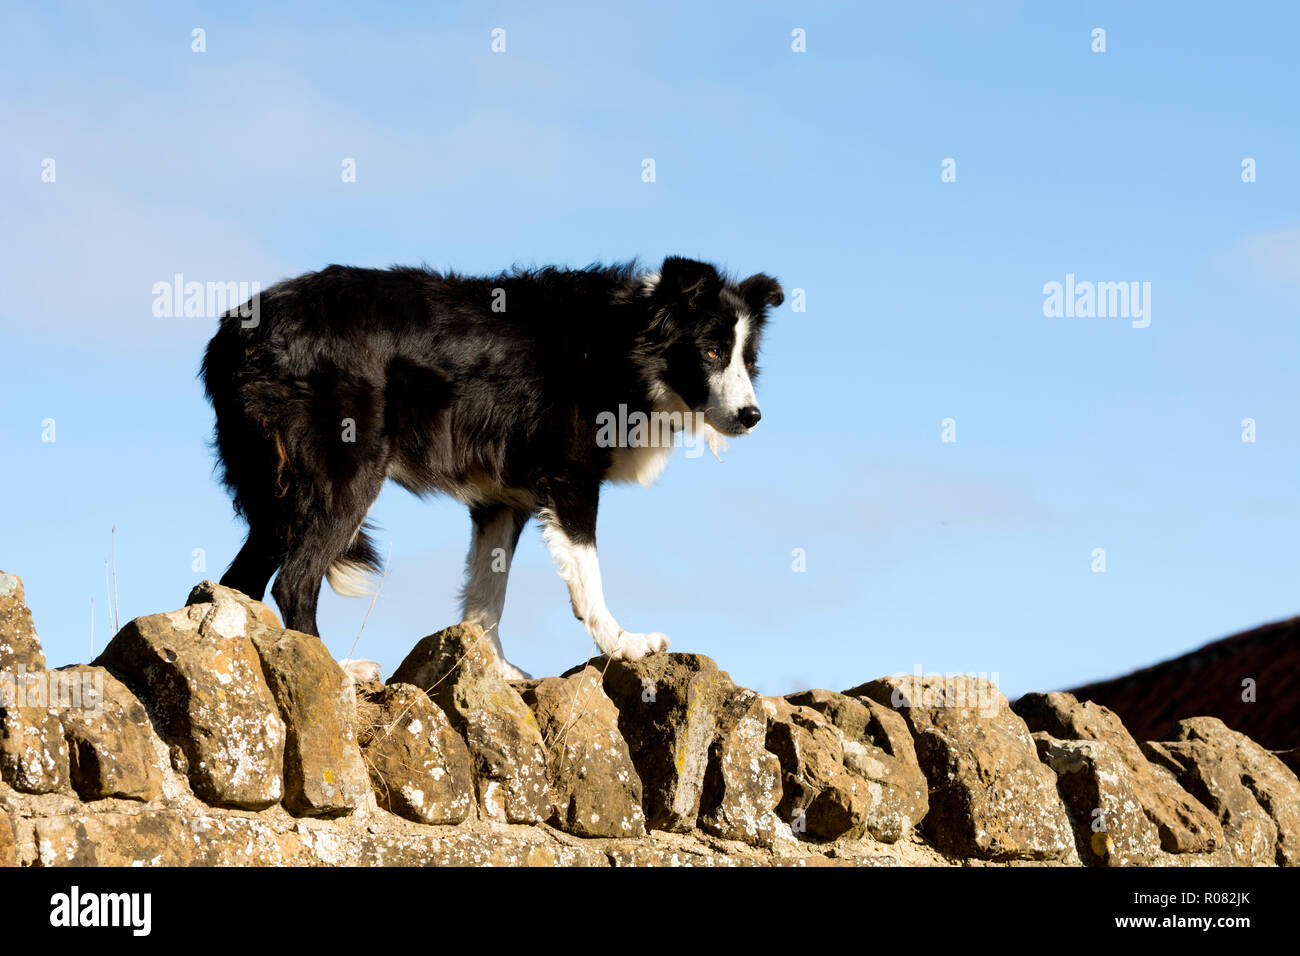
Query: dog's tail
point(351, 574)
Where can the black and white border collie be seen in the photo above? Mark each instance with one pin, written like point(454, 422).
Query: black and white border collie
point(497, 390)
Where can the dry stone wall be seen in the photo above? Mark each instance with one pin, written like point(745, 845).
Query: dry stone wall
point(210, 735)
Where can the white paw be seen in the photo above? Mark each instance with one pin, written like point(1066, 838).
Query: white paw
point(508, 671)
point(633, 647)
point(360, 670)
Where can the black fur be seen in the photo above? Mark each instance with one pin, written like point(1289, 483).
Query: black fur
point(444, 394)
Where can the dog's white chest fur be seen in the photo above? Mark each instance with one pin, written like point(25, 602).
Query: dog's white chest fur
point(644, 460)
point(643, 464)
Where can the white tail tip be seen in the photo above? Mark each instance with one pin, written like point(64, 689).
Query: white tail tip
point(349, 578)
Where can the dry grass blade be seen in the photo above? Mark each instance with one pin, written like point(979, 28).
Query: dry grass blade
point(557, 746)
point(383, 576)
point(112, 546)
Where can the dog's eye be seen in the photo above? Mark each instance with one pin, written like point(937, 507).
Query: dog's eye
point(713, 354)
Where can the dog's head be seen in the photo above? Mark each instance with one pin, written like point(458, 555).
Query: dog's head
point(708, 330)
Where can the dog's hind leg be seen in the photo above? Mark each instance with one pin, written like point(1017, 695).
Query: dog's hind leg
point(331, 465)
point(323, 536)
point(324, 517)
point(254, 565)
point(496, 533)
point(569, 529)
point(297, 586)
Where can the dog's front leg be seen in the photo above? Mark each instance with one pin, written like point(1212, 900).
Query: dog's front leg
point(496, 532)
point(569, 529)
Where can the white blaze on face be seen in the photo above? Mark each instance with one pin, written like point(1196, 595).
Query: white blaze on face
point(730, 390)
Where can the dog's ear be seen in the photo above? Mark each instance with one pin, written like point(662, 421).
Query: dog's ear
point(689, 281)
point(761, 291)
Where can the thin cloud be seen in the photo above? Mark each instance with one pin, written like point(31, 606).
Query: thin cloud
point(1273, 255)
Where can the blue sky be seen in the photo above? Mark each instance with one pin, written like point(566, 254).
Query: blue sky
point(924, 302)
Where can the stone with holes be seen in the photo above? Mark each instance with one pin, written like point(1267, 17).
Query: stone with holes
point(820, 798)
point(878, 748)
point(209, 592)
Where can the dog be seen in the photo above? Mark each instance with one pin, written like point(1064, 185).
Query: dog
point(496, 390)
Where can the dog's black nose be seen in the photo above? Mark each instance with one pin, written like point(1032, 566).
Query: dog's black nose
point(749, 416)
